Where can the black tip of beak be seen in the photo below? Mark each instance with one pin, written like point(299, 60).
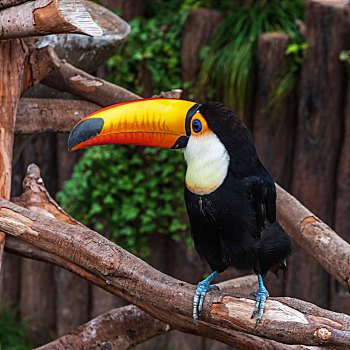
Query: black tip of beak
point(85, 130)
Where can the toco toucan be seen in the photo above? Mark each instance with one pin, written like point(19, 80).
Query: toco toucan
point(230, 197)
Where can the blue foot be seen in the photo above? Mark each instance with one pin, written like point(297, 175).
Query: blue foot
point(202, 289)
point(261, 295)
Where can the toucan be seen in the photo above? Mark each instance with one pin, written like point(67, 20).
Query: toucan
point(230, 197)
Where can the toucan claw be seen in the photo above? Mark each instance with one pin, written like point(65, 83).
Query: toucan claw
point(260, 295)
point(199, 296)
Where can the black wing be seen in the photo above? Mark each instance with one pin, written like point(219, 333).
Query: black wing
point(263, 192)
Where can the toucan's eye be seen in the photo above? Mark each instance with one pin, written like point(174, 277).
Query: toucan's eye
point(196, 126)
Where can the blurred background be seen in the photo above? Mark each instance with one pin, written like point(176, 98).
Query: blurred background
point(283, 66)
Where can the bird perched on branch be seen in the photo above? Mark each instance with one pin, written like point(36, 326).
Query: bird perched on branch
point(230, 197)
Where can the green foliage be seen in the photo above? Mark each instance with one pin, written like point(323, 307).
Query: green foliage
point(13, 333)
point(128, 192)
point(295, 53)
point(344, 56)
point(229, 63)
point(154, 45)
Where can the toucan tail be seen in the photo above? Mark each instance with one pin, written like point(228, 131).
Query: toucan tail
point(273, 247)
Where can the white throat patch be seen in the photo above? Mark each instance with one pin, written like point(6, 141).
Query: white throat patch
point(207, 163)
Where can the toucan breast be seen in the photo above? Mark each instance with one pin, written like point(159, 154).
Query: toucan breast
point(207, 163)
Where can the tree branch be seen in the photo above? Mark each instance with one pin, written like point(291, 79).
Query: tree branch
point(42, 17)
point(36, 197)
point(318, 239)
point(39, 64)
point(121, 329)
point(168, 299)
point(38, 115)
point(241, 285)
point(79, 83)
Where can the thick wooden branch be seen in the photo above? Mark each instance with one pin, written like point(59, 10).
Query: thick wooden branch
point(42, 17)
point(317, 238)
point(79, 83)
point(121, 329)
point(38, 115)
point(285, 320)
point(36, 197)
point(39, 64)
point(241, 285)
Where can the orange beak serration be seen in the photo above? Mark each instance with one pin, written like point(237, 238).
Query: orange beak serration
point(157, 122)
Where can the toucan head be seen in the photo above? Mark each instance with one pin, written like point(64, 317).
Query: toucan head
point(158, 122)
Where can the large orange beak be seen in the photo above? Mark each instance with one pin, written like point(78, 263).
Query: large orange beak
point(157, 122)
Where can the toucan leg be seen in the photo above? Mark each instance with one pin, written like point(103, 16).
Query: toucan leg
point(202, 289)
point(261, 295)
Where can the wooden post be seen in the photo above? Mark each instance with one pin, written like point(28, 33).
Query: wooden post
point(13, 54)
point(340, 298)
point(274, 129)
point(317, 147)
point(198, 28)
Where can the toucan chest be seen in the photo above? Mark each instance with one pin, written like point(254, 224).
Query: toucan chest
point(227, 211)
point(207, 163)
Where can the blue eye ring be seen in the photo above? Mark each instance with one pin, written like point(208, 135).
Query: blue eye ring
point(196, 126)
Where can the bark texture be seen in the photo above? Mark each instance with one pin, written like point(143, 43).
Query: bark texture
point(317, 145)
point(88, 53)
point(242, 285)
point(51, 115)
point(317, 238)
point(129, 8)
point(13, 54)
point(340, 299)
point(36, 197)
point(39, 115)
point(274, 129)
point(168, 299)
point(9, 3)
point(196, 33)
point(88, 87)
point(44, 17)
point(121, 329)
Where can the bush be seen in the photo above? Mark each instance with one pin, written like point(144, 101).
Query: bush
point(14, 334)
point(128, 193)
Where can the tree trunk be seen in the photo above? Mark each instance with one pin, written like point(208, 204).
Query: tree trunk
point(129, 8)
point(13, 54)
point(340, 298)
point(318, 134)
point(274, 129)
point(196, 33)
